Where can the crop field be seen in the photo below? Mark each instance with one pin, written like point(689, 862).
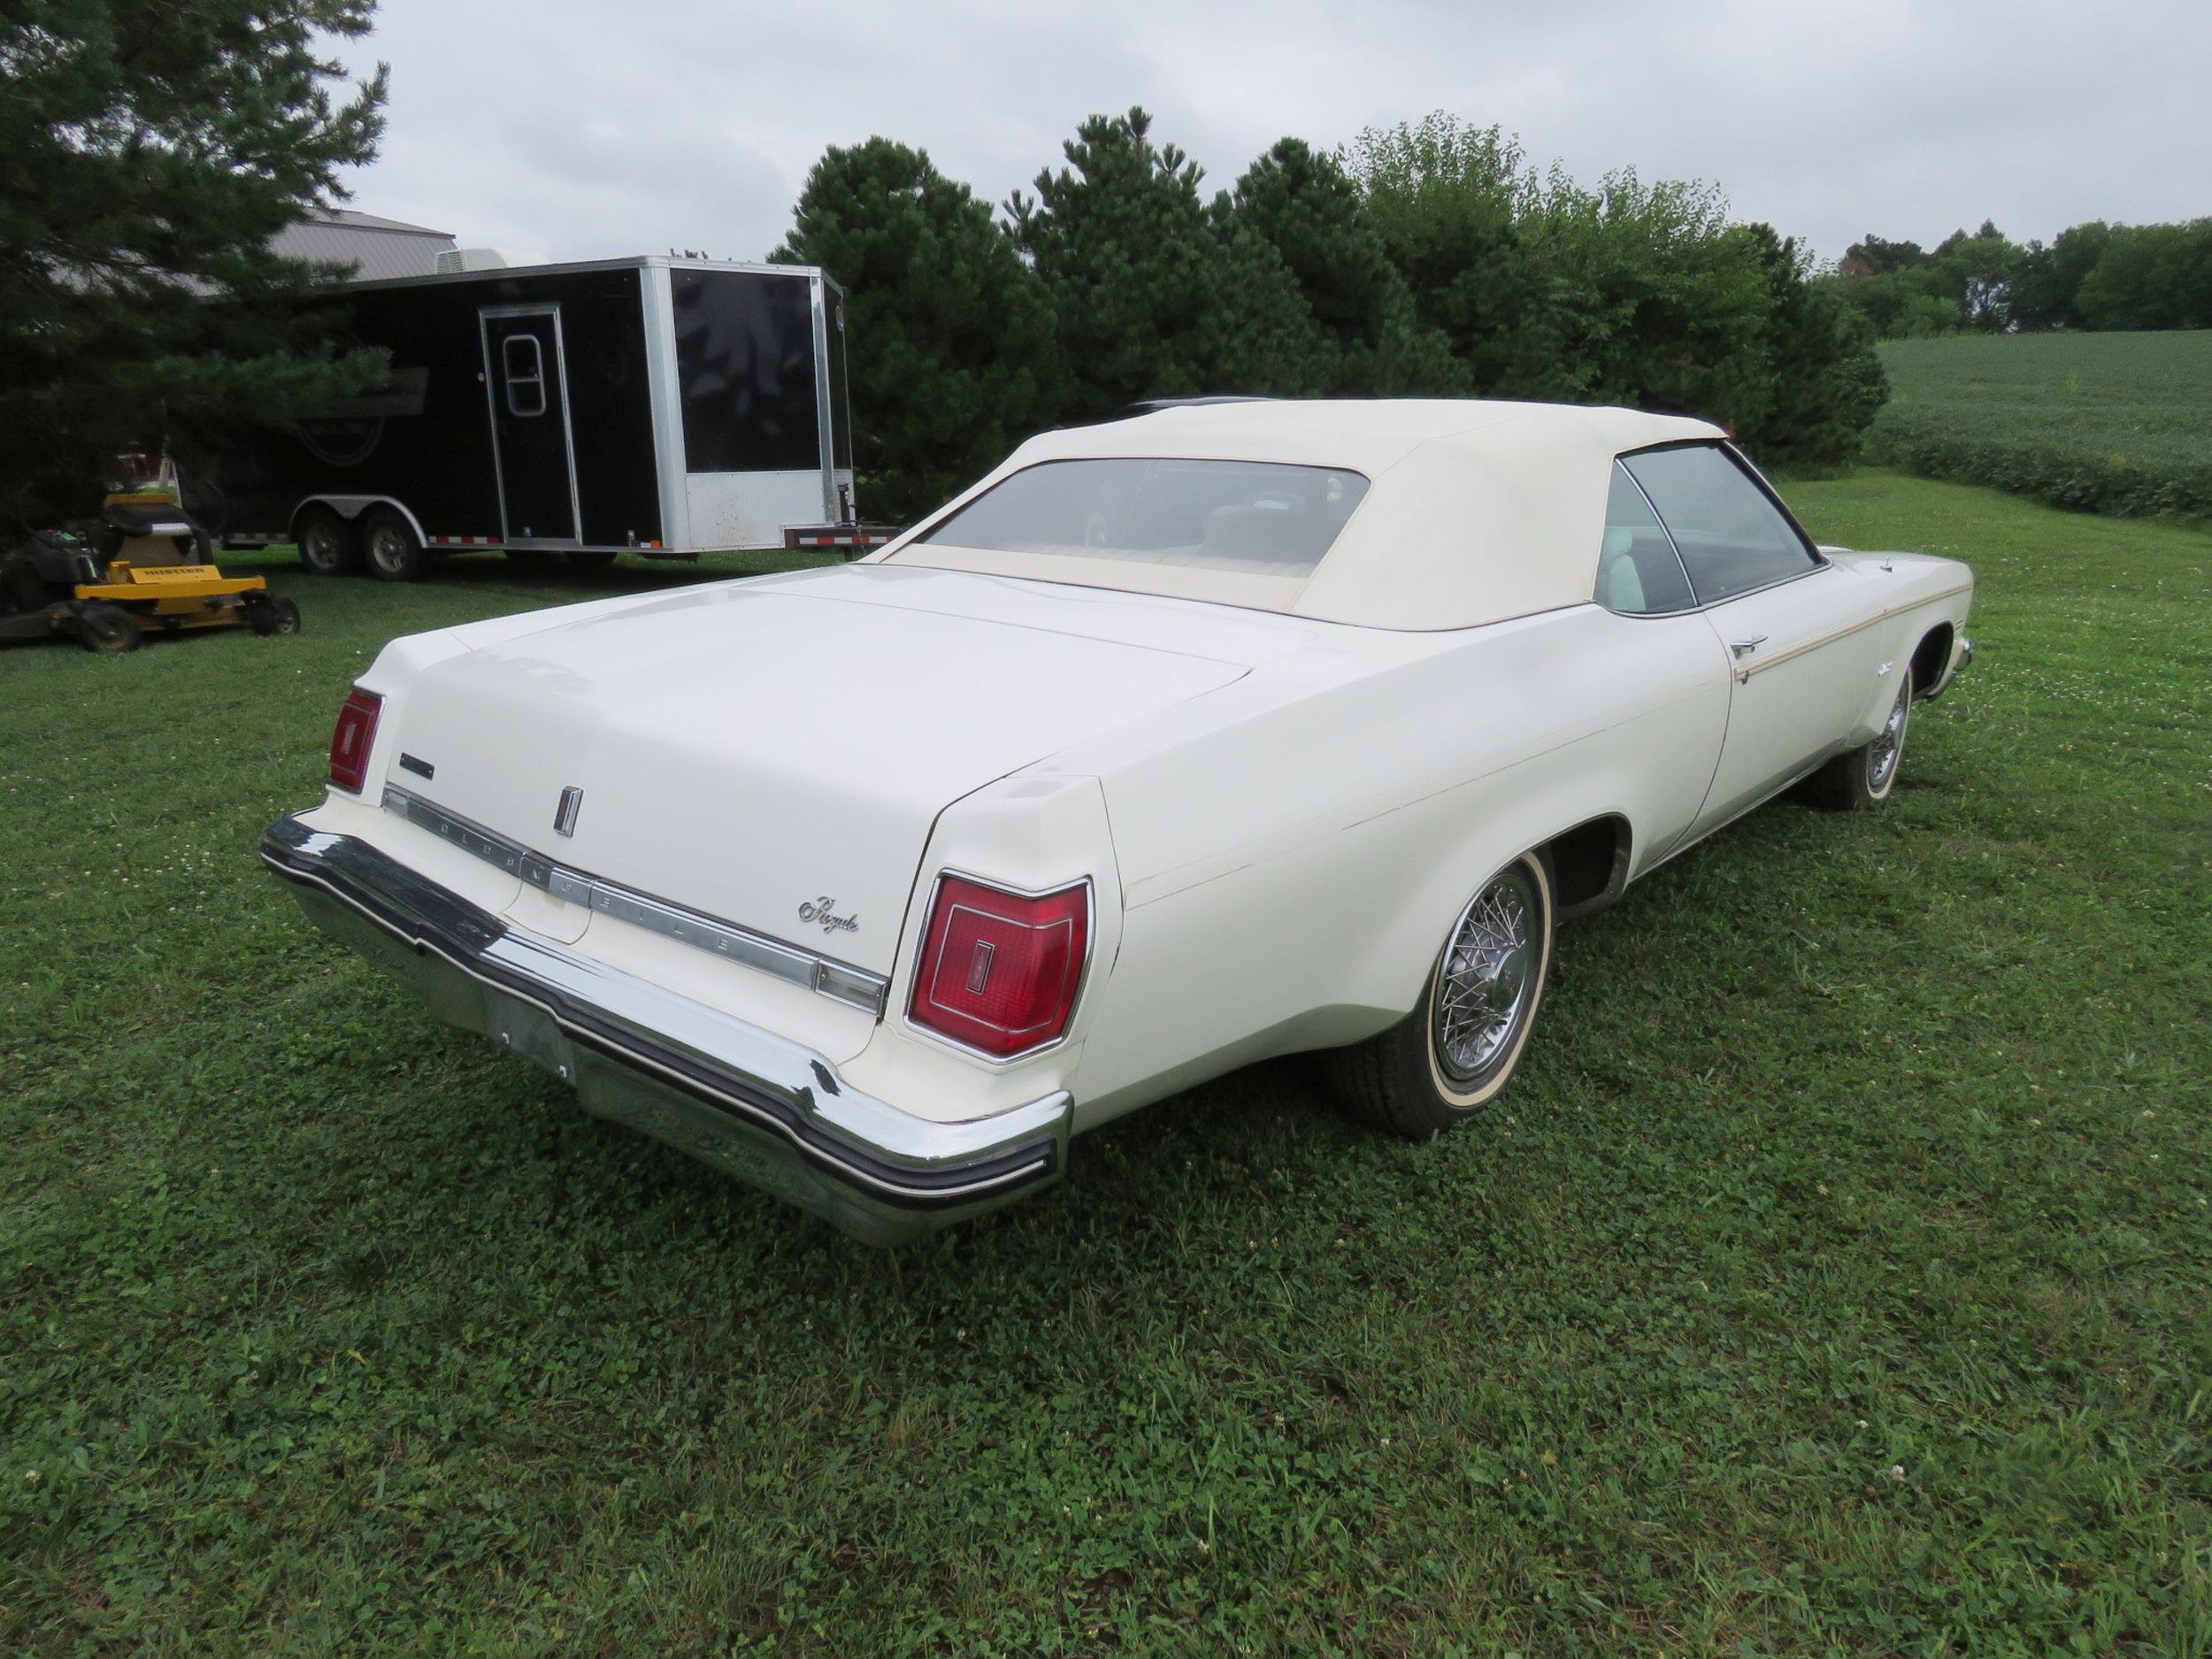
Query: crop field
point(1834, 1282)
point(2110, 423)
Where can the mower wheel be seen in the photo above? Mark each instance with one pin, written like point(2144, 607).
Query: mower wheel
point(108, 629)
point(329, 545)
point(275, 614)
point(391, 548)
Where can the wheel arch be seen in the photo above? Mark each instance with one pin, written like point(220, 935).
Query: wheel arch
point(1590, 864)
point(350, 508)
point(1932, 660)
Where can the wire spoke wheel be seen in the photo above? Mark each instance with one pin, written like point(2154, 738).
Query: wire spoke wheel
point(1889, 743)
point(1486, 982)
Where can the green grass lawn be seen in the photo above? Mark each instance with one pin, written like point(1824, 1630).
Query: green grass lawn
point(1835, 1280)
point(2108, 422)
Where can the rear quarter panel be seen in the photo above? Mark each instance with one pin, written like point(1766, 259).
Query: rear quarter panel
point(1294, 848)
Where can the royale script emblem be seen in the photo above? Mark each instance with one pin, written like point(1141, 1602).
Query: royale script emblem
point(824, 910)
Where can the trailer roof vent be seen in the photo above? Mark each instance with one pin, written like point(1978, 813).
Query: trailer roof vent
point(455, 259)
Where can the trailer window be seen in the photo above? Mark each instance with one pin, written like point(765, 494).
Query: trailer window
point(745, 370)
point(524, 367)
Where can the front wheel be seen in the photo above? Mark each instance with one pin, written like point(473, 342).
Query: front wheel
point(1860, 779)
point(329, 545)
point(275, 614)
point(1460, 1049)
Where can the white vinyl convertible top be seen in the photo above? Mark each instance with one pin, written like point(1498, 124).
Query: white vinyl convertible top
point(1478, 510)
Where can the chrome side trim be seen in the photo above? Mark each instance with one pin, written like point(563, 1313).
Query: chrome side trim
point(1762, 664)
point(825, 976)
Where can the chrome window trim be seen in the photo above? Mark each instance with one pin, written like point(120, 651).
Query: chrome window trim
point(1083, 977)
point(809, 970)
point(1820, 561)
point(1636, 484)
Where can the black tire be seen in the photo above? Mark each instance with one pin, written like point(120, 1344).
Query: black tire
point(22, 590)
point(329, 545)
point(108, 629)
point(390, 548)
point(275, 614)
point(1860, 779)
point(1403, 1079)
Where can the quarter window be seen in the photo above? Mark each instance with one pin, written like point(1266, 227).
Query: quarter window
point(1637, 573)
point(525, 368)
point(1731, 537)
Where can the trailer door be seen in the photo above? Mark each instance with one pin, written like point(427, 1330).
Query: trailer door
point(526, 382)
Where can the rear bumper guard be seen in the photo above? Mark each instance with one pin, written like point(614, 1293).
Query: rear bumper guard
point(764, 1109)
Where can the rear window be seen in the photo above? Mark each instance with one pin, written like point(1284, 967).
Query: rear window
point(1258, 518)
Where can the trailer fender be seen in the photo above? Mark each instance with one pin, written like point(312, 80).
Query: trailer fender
point(351, 507)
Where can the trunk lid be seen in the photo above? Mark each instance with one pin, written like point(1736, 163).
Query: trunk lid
point(757, 751)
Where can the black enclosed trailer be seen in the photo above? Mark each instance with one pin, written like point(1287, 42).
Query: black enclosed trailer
point(657, 405)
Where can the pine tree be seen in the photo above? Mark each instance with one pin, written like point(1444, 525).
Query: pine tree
point(1156, 293)
point(1306, 206)
point(952, 361)
point(147, 152)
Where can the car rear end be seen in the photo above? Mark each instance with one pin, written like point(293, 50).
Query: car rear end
point(838, 950)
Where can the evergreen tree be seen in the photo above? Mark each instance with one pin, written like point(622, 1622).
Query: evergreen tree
point(150, 151)
point(1305, 205)
point(952, 361)
point(1156, 295)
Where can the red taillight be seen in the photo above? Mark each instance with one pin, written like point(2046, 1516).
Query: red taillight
point(999, 970)
point(350, 742)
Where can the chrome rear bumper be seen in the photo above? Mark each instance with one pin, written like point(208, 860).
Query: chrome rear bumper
point(760, 1108)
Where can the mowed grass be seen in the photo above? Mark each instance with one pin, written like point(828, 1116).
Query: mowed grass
point(2106, 422)
point(1834, 1281)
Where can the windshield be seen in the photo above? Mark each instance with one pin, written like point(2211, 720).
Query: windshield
point(1258, 518)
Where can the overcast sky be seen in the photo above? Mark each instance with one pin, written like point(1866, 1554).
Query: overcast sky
point(575, 128)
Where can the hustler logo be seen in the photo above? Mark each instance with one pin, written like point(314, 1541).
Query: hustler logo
point(823, 911)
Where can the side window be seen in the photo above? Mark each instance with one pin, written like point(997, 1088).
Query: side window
point(526, 374)
point(1637, 573)
point(1731, 537)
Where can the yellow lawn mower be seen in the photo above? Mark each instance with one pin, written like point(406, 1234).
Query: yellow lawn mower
point(142, 565)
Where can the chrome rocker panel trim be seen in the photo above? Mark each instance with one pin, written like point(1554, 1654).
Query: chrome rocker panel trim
point(758, 1107)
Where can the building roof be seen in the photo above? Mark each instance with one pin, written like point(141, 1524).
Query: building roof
point(1477, 510)
point(372, 246)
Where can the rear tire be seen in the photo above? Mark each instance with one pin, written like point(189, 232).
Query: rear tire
point(391, 548)
point(1459, 1050)
point(1860, 779)
point(328, 544)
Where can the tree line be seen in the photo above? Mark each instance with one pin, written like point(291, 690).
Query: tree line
point(2096, 275)
point(1430, 258)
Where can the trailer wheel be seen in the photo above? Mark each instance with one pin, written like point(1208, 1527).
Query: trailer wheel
point(393, 552)
point(329, 545)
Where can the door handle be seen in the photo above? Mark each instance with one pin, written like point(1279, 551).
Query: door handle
point(1744, 648)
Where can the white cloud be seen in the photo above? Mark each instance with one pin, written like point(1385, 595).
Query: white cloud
point(576, 129)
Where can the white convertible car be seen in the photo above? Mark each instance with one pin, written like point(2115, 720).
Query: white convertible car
point(1178, 741)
